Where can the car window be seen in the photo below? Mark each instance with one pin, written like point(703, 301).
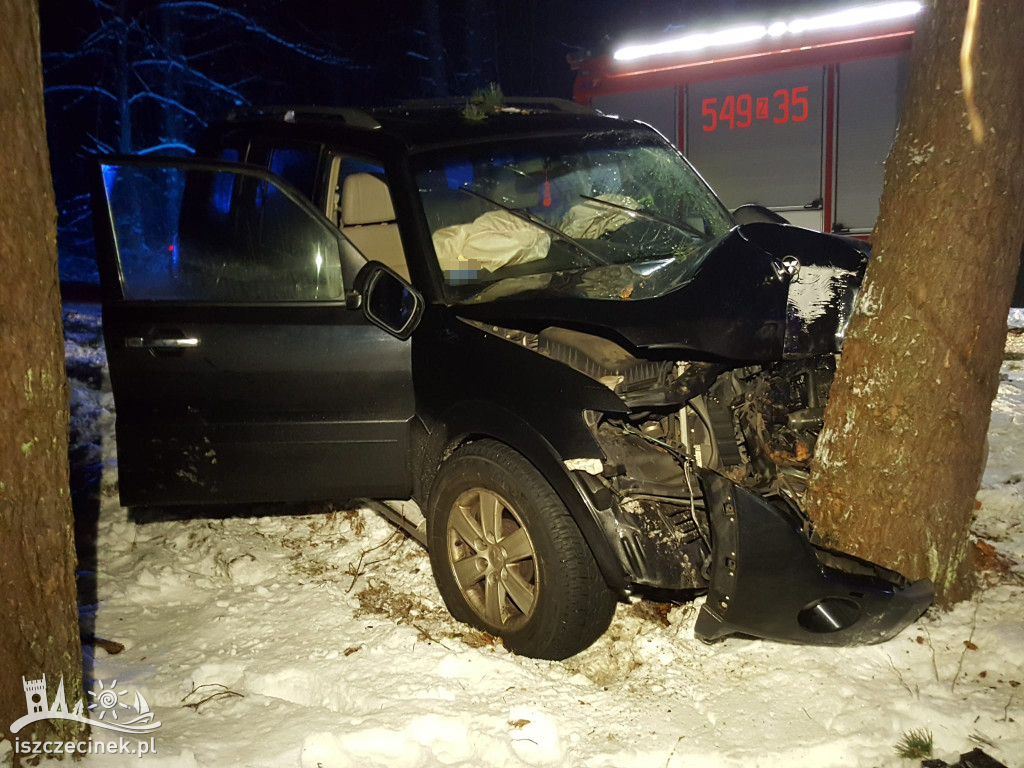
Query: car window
point(360, 203)
point(523, 211)
point(343, 166)
point(297, 165)
point(188, 234)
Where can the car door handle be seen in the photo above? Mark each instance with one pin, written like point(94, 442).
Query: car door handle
point(140, 342)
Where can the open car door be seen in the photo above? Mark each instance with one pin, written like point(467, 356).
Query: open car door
point(238, 373)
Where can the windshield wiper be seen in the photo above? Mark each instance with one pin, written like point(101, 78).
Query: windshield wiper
point(680, 225)
point(529, 219)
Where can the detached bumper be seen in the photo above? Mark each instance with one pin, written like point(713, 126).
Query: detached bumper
point(768, 580)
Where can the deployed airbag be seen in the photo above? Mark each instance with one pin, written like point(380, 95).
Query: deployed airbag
point(493, 240)
point(588, 220)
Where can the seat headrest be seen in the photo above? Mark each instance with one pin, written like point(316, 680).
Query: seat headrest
point(365, 199)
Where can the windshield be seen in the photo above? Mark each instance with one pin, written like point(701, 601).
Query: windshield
point(619, 211)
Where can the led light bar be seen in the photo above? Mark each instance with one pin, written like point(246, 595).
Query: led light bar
point(850, 17)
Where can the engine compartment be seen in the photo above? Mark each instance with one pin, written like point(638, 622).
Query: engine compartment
point(755, 425)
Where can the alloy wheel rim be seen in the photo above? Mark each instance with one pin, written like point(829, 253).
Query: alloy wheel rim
point(493, 558)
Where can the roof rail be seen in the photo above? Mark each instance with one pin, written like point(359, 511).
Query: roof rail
point(541, 103)
point(290, 114)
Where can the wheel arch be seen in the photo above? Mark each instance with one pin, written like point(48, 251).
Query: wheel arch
point(479, 420)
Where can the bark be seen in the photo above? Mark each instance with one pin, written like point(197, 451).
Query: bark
point(898, 462)
point(38, 614)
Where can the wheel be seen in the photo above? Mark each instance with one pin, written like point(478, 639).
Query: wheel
point(509, 559)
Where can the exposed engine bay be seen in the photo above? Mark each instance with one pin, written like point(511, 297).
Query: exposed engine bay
point(756, 425)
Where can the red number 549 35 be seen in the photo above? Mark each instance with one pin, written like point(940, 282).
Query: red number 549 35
point(736, 111)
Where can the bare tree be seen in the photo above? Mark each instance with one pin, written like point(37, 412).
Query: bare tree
point(38, 614)
point(147, 78)
point(898, 462)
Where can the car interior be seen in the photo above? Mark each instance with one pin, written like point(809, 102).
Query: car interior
point(365, 213)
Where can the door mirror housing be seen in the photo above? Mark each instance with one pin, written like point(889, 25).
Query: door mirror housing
point(752, 212)
point(388, 301)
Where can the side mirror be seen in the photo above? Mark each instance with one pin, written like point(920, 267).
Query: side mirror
point(388, 301)
point(752, 212)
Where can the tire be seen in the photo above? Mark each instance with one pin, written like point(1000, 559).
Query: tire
point(525, 573)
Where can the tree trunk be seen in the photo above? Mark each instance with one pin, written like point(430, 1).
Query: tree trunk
point(38, 614)
point(898, 462)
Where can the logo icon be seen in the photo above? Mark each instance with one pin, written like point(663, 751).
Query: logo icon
point(110, 710)
point(792, 265)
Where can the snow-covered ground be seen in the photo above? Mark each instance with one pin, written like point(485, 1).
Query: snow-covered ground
point(319, 640)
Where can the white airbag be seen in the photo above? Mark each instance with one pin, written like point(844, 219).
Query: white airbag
point(494, 240)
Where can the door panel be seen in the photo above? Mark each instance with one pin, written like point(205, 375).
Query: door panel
point(238, 373)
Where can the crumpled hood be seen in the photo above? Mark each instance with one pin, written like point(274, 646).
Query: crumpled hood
point(764, 292)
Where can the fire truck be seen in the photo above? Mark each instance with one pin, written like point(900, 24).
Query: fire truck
point(796, 114)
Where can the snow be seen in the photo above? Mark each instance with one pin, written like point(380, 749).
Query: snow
point(813, 291)
point(343, 660)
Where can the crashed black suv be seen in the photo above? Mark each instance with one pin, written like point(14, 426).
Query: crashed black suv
point(539, 323)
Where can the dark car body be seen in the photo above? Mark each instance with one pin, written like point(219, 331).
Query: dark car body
point(249, 399)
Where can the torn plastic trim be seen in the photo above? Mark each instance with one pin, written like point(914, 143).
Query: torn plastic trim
point(654, 543)
point(769, 581)
point(590, 466)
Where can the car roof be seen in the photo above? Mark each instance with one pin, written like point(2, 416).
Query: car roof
point(424, 124)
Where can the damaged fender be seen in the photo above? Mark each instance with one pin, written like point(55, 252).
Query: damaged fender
point(770, 581)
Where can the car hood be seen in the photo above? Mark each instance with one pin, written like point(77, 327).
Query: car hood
point(763, 292)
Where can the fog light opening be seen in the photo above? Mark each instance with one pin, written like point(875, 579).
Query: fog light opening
point(830, 614)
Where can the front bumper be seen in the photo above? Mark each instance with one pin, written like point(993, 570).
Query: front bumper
point(768, 580)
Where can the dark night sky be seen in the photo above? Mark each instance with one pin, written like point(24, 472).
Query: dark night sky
point(520, 43)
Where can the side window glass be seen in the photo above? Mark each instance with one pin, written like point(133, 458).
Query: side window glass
point(176, 240)
point(298, 167)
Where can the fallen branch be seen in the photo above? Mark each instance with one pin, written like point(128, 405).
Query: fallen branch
point(968, 644)
point(935, 667)
point(356, 571)
point(899, 676)
point(1006, 709)
point(424, 635)
point(224, 693)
